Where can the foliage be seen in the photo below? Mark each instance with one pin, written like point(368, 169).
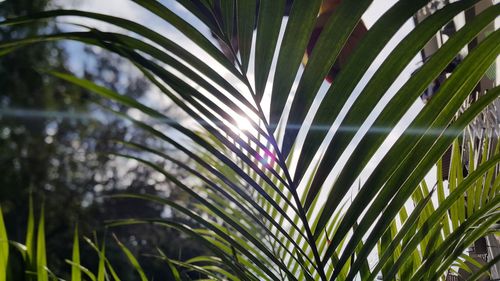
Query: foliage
point(446, 207)
point(52, 139)
point(267, 209)
point(22, 256)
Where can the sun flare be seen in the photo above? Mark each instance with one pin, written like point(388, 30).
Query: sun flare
point(243, 123)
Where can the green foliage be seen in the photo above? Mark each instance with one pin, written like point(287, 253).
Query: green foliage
point(4, 249)
point(52, 139)
point(76, 271)
point(264, 204)
point(41, 256)
point(132, 260)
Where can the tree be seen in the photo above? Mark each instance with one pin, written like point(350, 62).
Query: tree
point(273, 213)
point(52, 148)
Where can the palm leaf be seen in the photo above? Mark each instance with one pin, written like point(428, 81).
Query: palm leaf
point(266, 206)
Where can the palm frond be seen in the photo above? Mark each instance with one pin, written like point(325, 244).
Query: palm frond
point(266, 204)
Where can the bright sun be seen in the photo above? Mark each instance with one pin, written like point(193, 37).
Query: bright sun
point(243, 123)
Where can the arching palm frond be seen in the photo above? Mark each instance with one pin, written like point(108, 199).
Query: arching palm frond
point(307, 188)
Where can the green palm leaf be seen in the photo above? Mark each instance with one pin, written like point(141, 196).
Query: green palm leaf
point(266, 206)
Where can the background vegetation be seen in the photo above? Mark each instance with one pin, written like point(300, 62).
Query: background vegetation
point(53, 144)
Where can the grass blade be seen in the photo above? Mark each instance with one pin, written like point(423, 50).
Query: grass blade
point(76, 272)
point(4, 248)
point(101, 268)
point(41, 256)
point(173, 270)
point(30, 237)
point(131, 259)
